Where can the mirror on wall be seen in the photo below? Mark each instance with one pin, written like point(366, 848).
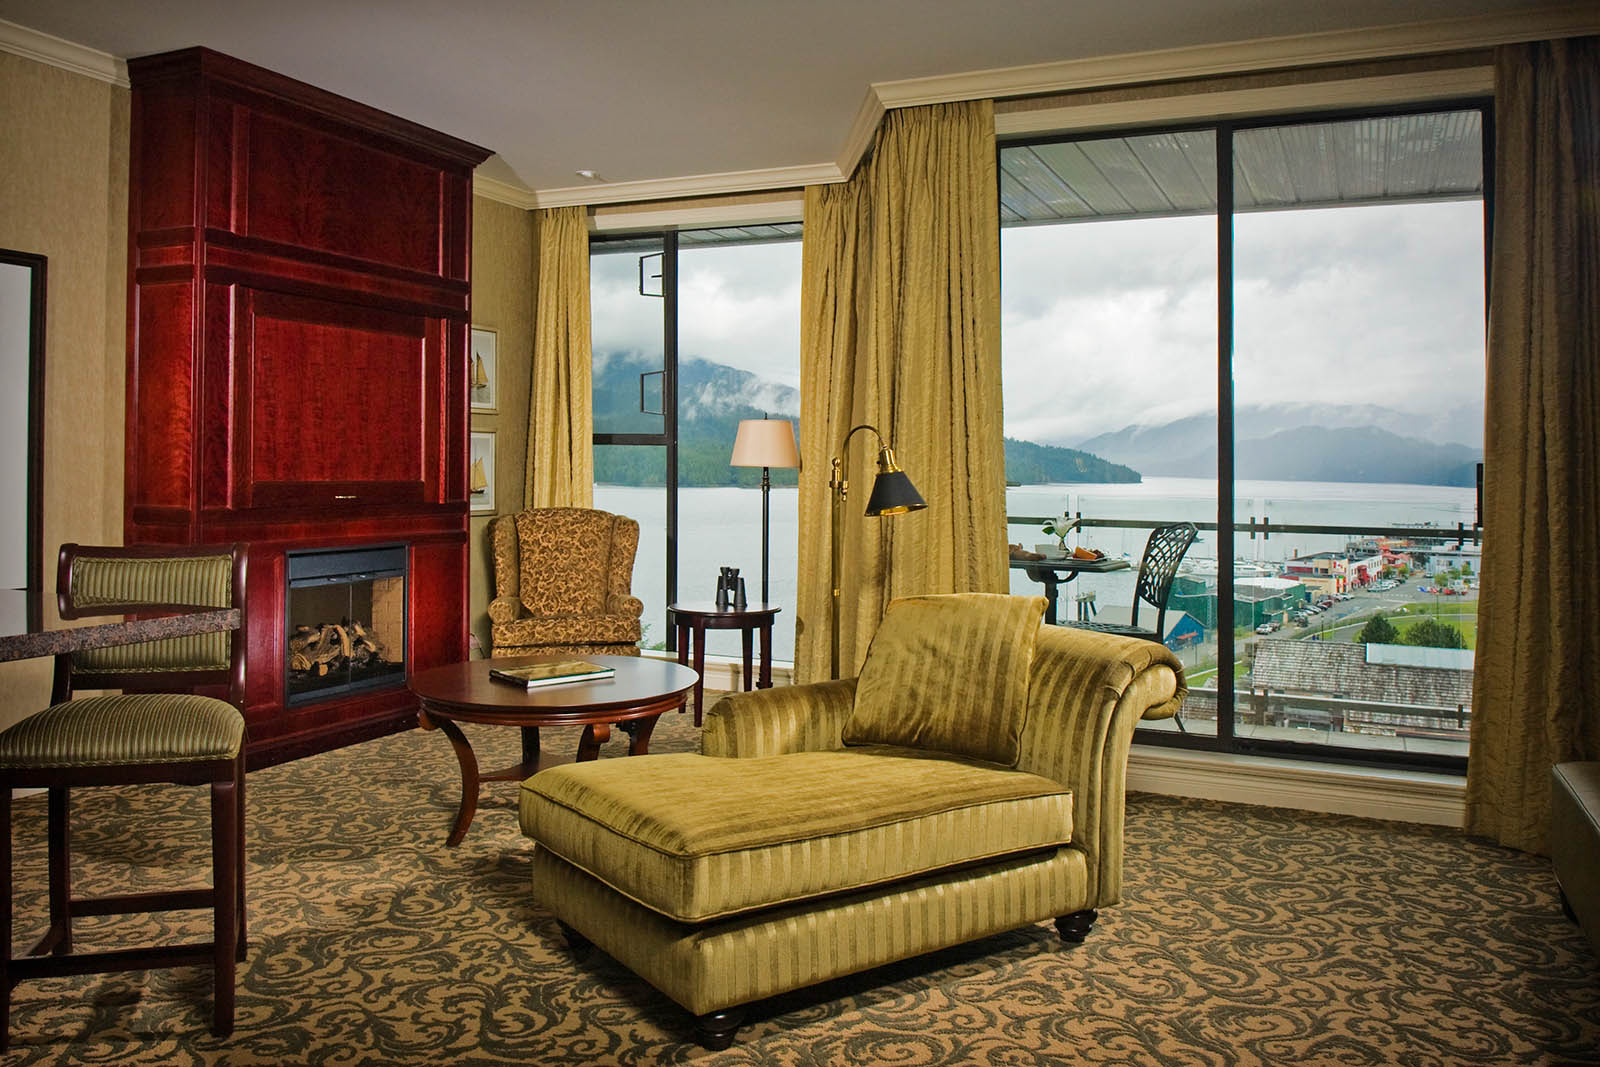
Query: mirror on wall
point(22, 289)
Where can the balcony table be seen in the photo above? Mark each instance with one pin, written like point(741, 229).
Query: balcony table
point(1050, 572)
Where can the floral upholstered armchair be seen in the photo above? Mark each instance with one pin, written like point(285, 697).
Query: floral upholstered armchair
point(562, 582)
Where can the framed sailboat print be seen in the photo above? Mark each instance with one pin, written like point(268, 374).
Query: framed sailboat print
point(481, 373)
point(480, 472)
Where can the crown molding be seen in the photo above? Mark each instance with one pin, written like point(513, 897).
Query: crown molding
point(56, 52)
point(1315, 49)
point(503, 192)
point(742, 181)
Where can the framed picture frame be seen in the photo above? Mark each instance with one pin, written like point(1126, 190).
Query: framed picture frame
point(480, 472)
point(482, 369)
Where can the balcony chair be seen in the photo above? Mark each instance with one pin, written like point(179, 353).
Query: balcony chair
point(141, 736)
point(562, 582)
point(1162, 554)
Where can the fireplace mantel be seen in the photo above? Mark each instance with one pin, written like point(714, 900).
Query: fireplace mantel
point(298, 315)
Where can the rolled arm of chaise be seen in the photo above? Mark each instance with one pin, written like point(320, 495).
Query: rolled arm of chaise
point(1087, 693)
point(771, 722)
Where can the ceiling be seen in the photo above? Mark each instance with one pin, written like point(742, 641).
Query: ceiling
point(640, 91)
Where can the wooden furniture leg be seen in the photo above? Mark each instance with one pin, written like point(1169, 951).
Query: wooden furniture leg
point(747, 636)
point(469, 774)
point(700, 670)
point(765, 680)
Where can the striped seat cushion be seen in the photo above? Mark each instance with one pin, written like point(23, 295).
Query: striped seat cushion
point(697, 838)
point(112, 731)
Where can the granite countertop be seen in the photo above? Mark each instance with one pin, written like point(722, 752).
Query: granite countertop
point(104, 635)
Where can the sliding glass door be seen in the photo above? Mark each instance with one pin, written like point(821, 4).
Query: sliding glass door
point(1274, 329)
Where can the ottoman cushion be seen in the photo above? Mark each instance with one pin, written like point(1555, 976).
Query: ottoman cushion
point(696, 837)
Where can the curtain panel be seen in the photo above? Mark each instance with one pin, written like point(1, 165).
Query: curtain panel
point(560, 470)
point(1536, 688)
point(900, 328)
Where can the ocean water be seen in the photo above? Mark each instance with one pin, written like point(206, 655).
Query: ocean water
point(720, 527)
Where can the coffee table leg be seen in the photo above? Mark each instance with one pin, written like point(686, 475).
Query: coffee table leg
point(594, 735)
point(530, 748)
point(469, 778)
point(639, 731)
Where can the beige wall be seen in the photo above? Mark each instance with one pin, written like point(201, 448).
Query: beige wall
point(502, 300)
point(64, 194)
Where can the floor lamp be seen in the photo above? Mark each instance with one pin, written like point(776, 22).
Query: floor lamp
point(892, 494)
point(765, 443)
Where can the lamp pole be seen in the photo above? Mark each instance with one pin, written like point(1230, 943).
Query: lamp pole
point(892, 494)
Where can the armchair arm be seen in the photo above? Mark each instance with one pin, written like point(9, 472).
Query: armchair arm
point(1087, 693)
point(770, 722)
point(623, 604)
point(505, 609)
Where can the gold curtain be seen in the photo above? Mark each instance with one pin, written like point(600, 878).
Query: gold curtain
point(1536, 688)
point(560, 416)
point(900, 328)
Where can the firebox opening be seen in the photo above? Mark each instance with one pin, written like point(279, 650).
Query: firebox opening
point(346, 613)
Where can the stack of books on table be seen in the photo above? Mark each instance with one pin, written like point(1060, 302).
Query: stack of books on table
point(537, 674)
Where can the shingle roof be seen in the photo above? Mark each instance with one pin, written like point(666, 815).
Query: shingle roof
point(1330, 668)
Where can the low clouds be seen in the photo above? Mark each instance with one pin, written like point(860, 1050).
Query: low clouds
point(1110, 324)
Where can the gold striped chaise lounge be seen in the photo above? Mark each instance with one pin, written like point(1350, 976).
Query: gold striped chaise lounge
point(969, 781)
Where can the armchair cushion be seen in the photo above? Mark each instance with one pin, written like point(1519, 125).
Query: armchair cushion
point(696, 837)
point(567, 630)
point(949, 673)
point(565, 557)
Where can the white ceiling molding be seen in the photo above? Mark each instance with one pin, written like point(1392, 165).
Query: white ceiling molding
point(781, 207)
point(1315, 49)
point(43, 48)
point(862, 131)
point(743, 181)
point(1417, 87)
point(504, 192)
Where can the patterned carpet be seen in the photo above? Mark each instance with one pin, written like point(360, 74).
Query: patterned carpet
point(1247, 936)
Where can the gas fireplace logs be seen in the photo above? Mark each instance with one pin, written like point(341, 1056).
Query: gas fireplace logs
point(331, 645)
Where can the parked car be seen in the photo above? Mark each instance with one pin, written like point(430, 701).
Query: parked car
point(1264, 628)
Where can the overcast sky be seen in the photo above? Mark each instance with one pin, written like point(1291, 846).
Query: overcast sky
point(1110, 324)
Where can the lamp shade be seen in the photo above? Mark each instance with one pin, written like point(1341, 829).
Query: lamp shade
point(765, 443)
point(893, 494)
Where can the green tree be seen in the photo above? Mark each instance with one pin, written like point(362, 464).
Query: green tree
point(1378, 631)
point(1431, 633)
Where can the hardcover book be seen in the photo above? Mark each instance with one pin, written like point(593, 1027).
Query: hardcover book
point(536, 674)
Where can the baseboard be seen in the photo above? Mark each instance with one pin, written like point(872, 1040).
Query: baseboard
point(1368, 792)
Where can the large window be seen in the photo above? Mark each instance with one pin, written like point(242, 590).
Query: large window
point(694, 331)
point(1273, 329)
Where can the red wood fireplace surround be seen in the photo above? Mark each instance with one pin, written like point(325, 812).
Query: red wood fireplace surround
point(298, 317)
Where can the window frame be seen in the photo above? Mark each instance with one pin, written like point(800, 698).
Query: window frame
point(1226, 740)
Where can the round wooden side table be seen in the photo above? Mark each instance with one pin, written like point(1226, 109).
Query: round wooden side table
point(697, 617)
point(640, 691)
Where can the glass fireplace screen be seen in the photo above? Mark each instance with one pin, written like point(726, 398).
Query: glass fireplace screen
point(346, 612)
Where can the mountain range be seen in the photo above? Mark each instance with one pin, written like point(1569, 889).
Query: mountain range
point(1307, 442)
point(1287, 442)
point(713, 398)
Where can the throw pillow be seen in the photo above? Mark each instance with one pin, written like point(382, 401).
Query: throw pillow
point(949, 673)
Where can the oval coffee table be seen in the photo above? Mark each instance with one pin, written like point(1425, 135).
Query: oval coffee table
point(640, 691)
